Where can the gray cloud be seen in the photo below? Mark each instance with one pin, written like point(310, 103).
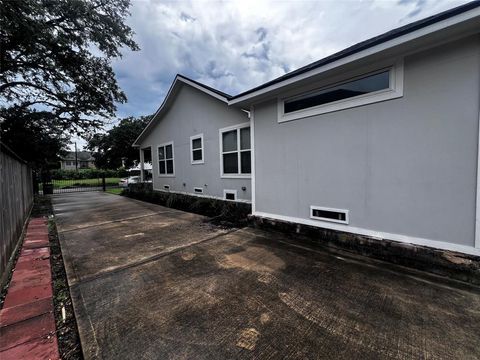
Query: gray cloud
point(187, 18)
point(419, 6)
point(262, 33)
point(234, 46)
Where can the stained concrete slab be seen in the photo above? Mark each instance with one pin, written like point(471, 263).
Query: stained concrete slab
point(185, 289)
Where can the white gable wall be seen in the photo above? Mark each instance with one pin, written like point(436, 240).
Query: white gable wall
point(194, 112)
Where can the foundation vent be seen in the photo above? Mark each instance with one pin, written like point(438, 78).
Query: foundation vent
point(329, 214)
point(230, 194)
point(198, 190)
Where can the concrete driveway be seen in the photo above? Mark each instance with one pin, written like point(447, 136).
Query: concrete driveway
point(150, 282)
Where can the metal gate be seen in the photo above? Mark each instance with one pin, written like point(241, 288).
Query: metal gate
point(57, 186)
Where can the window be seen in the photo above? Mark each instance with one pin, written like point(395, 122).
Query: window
point(196, 149)
point(165, 160)
point(230, 194)
point(235, 151)
point(329, 214)
point(365, 85)
point(198, 190)
point(380, 85)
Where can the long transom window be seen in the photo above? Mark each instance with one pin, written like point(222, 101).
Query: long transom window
point(349, 89)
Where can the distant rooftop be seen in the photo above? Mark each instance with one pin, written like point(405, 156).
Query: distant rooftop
point(81, 156)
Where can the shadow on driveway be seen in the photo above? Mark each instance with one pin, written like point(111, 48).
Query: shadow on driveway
point(150, 282)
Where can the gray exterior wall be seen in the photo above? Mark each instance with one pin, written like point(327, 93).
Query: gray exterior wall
point(193, 113)
point(406, 166)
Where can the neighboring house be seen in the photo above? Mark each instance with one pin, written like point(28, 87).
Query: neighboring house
point(380, 139)
point(83, 159)
point(198, 144)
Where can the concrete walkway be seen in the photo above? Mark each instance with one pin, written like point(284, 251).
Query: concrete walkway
point(150, 282)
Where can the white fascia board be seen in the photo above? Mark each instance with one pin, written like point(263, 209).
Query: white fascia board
point(166, 101)
point(468, 15)
point(201, 88)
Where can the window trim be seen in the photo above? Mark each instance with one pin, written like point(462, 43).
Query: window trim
point(196, 162)
point(173, 158)
point(237, 127)
point(346, 212)
point(226, 191)
point(394, 91)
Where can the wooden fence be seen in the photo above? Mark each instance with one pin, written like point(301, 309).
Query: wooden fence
point(16, 200)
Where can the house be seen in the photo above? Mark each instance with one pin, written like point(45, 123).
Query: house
point(380, 139)
point(198, 144)
point(82, 160)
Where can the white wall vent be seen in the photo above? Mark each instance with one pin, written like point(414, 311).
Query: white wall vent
point(198, 190)
point(329, 214)
point(166, 187)
point(230, 195)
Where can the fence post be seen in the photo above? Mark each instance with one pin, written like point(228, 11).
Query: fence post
point(104, 187)
point(35, 183)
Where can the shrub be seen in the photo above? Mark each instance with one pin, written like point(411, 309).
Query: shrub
point(60, 174)
point(221, 211)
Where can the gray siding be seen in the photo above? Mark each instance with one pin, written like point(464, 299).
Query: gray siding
point(405, 166)
point(193, 113)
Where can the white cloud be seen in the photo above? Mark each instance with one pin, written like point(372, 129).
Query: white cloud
point(234, 46)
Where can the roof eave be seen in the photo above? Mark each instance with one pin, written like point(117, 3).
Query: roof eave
point(179, 79)
point(250, 97)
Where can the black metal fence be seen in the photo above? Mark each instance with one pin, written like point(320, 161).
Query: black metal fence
point(57, 186)
point(16, 200)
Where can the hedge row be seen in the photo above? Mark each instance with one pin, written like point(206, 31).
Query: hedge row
point(86, 174)
point(222, 212)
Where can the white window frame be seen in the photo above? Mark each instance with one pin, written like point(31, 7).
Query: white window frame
point(226, 191)
point(198, 192)
point(394, 91)
point(196, 162)
point(173, 158)
point(238, 175)
point(347, 217)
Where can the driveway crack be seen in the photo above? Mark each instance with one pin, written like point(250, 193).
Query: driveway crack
point(149, 259)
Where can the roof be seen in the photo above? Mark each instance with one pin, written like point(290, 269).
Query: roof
point(390, 35)
point(81, 156)
point(180, 80)
point(367, 47)
point(221, 93)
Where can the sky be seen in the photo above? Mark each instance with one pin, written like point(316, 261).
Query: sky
point(236, 45)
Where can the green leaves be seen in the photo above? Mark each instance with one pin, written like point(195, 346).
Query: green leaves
point(56, 57)
point(110, 148)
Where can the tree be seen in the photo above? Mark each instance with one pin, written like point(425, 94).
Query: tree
point(55, 60)
point(22, 130)
point(110, 148)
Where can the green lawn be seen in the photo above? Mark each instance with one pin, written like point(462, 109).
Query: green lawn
point(116, 191)
point(59, 184)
